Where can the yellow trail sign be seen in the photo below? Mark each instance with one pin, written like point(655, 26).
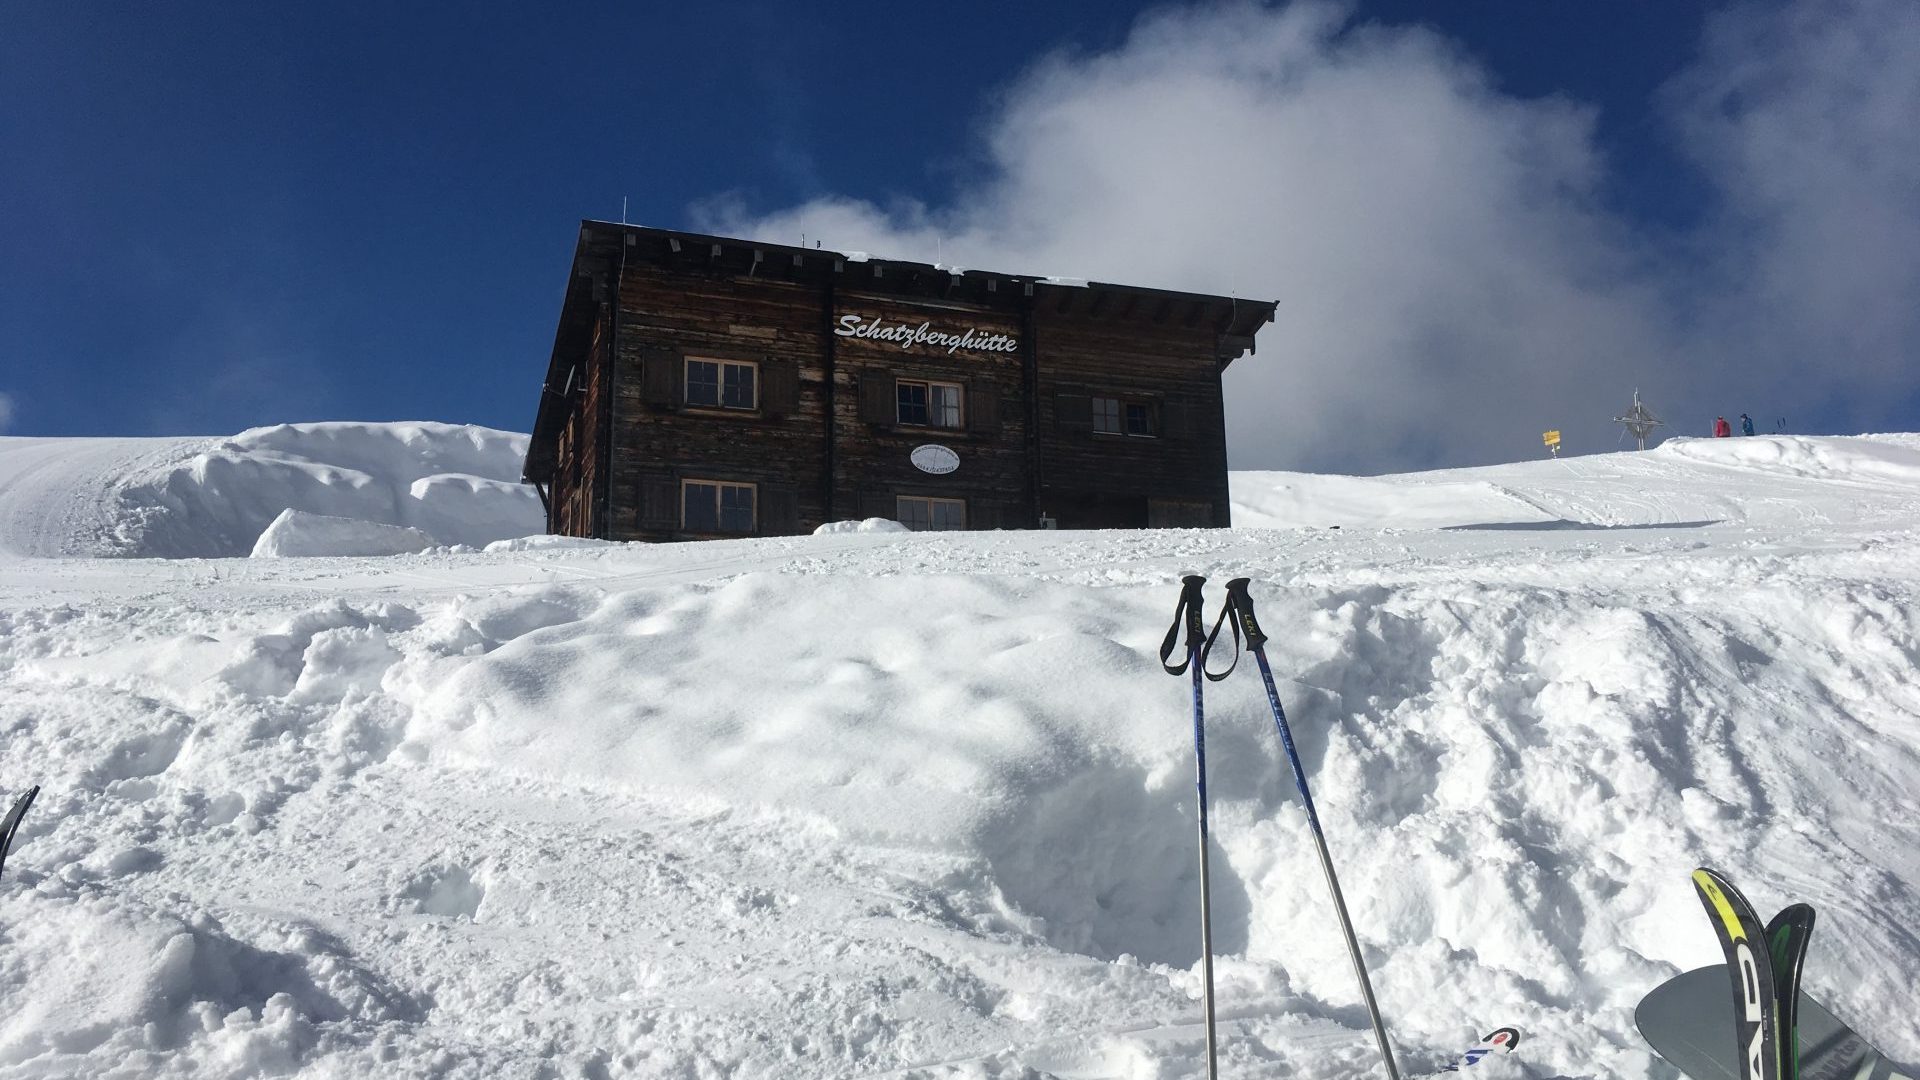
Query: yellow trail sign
point(1551, 438)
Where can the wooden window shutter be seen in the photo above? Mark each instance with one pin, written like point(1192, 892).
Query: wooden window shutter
point(983, 408)
point(1073, 412)
point(662, 375)
point(1176, 420)
point(779, 387)
point(779, 510)
point(659, 503)
point(877, 404)
point(878, 504)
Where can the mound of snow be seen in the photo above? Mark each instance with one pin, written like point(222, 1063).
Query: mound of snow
point(547, 542)
point(398, 453)
point(1757, 480)
point(870, 525)
point(836, 806)
point(296, 533)
point(1295, 500)
point(177, 498)
point(1888, 459)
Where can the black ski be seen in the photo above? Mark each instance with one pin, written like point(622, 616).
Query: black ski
point(1786, 937)
point(1689, 1020)
point(11, 823)
point(1755, 994)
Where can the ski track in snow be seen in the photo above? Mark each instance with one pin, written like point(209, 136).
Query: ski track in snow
point(919, 806)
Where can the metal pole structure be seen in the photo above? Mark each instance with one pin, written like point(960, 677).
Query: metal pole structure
point(1188, 616)
point(1242, 605)
point(1639, 421)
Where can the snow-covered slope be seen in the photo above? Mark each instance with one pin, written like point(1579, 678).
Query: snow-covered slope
point(209, 497)
point(908, 805)
point(1766, 480)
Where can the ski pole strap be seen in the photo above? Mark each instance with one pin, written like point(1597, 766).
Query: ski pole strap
point(1187, 614)
point(1207, 649)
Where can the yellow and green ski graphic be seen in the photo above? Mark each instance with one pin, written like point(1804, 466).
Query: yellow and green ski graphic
point(1756, 997)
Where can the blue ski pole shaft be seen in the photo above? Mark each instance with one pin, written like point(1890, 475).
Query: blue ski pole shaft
point(1237, 595)
point(1206, 896)
point(1187, 618)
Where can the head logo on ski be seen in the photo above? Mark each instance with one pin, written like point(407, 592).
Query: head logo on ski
point(1766, 1028)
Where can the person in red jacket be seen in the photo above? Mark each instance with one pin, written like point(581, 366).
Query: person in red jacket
point(1720, 428)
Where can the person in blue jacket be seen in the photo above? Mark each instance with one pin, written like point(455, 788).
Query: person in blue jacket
point(1746, 424)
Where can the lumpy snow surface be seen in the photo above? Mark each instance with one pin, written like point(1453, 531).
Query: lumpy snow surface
point(211, 497)
point(870, 804)
point(295, 533)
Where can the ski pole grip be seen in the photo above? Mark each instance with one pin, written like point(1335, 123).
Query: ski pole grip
point(1191, 603)
point(1240, 602)
point(1187, 614)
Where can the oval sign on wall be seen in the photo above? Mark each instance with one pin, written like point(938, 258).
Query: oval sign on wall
point(935, 459)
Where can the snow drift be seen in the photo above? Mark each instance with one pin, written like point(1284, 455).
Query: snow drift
point(921, 806)
point(294, 533)
point(1764, 480)
point(211, 498)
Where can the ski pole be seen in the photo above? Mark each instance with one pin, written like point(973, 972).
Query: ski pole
point(1240, 605)
point(1188, 613)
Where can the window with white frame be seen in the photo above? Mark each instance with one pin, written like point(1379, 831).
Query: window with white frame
point(722, 384)
point(716, 506)
point(929, 404)
point(1125, 416)
point(930, 515)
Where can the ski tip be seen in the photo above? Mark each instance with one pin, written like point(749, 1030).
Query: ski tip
point(11, 824)
point(21, 804)
point(1707, 882)
point(1799, 915)
point(1505, 1039)
point(1714, 885)
point(1497, 1041)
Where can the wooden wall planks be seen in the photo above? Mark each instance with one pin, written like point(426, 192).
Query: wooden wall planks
point(1026, 443)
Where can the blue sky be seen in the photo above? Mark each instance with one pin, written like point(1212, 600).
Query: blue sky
point(218, 217)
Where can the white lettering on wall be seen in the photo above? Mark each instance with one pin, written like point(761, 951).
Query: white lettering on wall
point(907, 335)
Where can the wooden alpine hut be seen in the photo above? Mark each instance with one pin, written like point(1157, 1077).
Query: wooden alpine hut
point(702, 386)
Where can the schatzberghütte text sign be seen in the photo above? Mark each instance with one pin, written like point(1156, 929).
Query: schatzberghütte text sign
point(908, 335)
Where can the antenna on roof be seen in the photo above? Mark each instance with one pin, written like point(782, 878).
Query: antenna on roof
point(1639, 421)
point(623, 209)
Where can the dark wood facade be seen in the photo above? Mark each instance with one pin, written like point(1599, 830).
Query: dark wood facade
point(702, 386)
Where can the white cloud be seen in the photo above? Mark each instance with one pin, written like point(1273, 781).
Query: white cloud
point(1450, 282)
point(1808, 123)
